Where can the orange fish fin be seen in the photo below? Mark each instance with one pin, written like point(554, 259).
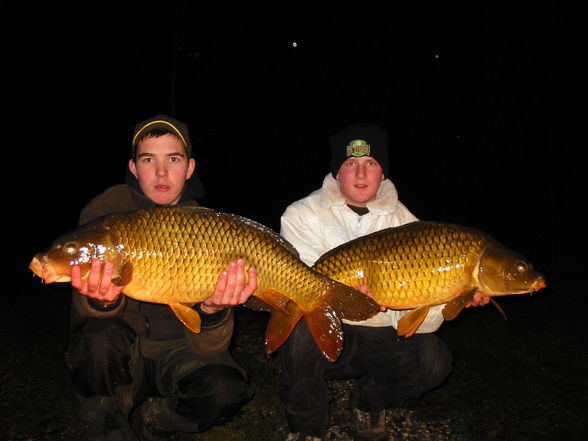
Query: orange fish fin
point(410, 322)
point(187, 315)
point(324, 322)
point(125, 276)
point(495, 303)
point(257, 304)
point(350, 303)
point(326, 330)
point(275, 299)
point(280, 326)
point(454, 307)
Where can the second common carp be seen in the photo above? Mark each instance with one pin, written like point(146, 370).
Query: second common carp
point(421, 264)
point(174, 256)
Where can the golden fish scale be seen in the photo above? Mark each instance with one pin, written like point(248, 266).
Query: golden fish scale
point(424, 263)
point(178, 255)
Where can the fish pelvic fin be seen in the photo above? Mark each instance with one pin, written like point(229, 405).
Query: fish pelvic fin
point(455, 306)
point(187, 315)
point(411, 321)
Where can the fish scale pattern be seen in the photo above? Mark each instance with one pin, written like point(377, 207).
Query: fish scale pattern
point(178, 254)
point(404, 267)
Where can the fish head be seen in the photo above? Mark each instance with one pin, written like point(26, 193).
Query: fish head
point(502, 271)
point(79, 247)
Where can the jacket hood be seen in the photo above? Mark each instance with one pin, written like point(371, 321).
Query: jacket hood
point(386, 200)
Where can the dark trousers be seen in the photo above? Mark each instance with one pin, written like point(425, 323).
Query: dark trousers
point(111, 366)
point(389, 369)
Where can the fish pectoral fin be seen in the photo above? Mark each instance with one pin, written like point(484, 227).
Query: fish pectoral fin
point(187, 315)
point(280, 326)
point(125, 276)
point(495, 303)
point(275, 299)
point(411, 321)
point(454, 307)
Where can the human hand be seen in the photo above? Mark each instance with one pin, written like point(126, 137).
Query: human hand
point(478, 300)
point(366, 290)
point(98, 285)
point(231, 288)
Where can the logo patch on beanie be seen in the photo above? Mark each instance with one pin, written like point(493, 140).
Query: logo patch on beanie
point(357, 148)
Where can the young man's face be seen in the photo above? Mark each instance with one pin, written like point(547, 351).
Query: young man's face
point(359, 179)
point(162, 168)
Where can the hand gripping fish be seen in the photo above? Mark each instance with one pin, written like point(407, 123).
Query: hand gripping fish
point(174, 256)
point(421, 264)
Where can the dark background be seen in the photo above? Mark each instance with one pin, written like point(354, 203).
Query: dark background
point(470, 93)
point(481, 100)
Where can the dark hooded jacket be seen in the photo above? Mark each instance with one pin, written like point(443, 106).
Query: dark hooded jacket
point(150, 320)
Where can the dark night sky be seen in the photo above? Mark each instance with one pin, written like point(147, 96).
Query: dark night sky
point(468, 93)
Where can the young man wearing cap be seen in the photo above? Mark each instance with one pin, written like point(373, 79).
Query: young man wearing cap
point(122, 350)
point(356, 198)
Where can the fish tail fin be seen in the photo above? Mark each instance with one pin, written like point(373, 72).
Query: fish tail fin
point(324, 321)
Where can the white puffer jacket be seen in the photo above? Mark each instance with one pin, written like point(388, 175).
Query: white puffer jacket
point(322, 220)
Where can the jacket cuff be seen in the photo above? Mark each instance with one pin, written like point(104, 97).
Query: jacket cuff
point(87, 307)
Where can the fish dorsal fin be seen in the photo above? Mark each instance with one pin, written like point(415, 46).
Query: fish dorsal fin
point(454, 307)
point(280, 326)
point(187, 315)
point(411, 321)
point(125, 276)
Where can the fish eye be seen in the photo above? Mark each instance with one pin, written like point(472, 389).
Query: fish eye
point(521, 266)
point(70, 248)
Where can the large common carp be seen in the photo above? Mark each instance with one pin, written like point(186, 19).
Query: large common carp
point(175, 255)
point(421, 264)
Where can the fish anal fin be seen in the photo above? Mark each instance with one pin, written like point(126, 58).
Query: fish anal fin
point(125, 276)
point(187, 315)
point(275, 299)
point(411, 321)
point(280, 326)
point(257, 304)
point(455, 306)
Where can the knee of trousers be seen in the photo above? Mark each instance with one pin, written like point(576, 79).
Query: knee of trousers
point(212, 393)
point(437, 360)
point(99, 354)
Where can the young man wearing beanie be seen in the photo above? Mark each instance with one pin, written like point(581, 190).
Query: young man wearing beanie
point(126, 354)
point(356, 198)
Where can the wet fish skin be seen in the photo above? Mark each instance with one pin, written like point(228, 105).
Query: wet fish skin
point(422, 264)
point(174, 256)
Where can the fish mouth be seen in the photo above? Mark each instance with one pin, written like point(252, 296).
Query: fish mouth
point(39, 266)
point(539, 284)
